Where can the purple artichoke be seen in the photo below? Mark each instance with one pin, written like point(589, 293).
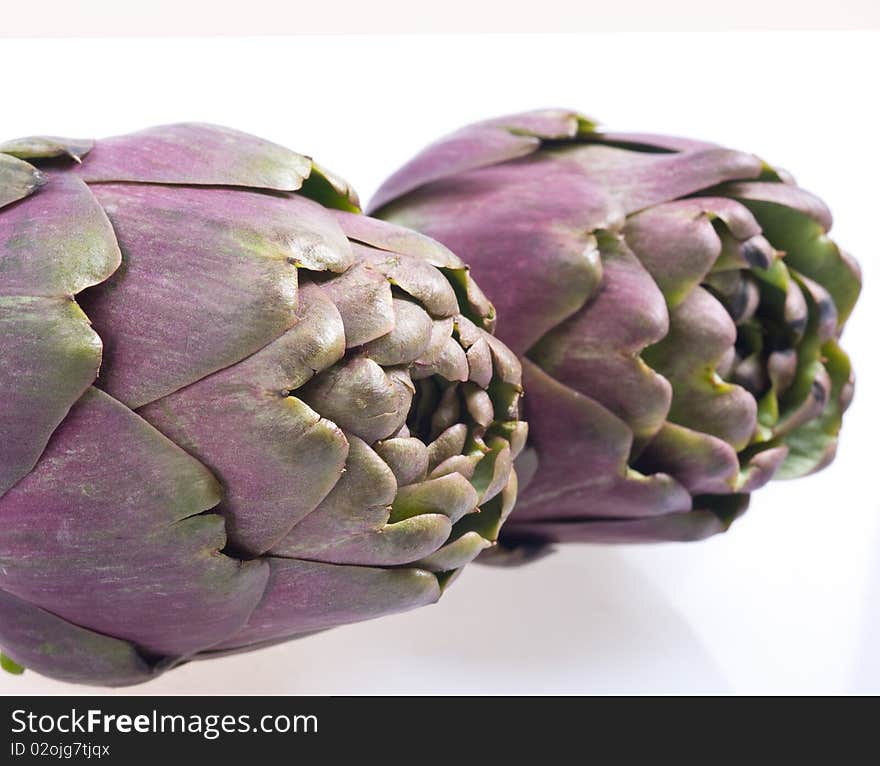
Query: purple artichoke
point(676, 305)
point(231, 414)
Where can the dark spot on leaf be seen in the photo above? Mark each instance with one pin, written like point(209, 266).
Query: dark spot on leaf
point(755, 255)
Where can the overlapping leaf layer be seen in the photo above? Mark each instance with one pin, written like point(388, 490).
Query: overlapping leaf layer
point(677, 307)
point(235, 410)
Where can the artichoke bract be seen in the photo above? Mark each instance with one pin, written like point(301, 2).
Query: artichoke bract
point(234, 409)
point(676, 305)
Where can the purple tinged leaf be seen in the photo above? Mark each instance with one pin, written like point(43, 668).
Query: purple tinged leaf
point(456, 554)
point(637, 180)
point(397, 239)
point(505, 363)
point(408, 339)
point(47, 147)
point(364, 300)
point(700, 332)
point(702, 463)
point(447, 411)
point(476, 146)
point(479, 359)
point(696, 216)
point(220, 341)
point(473, 147)
point(451, 495)
point(795, 311)
point(359, 502)
point(517, 434)
point(583, 450)
point(393, 544)
point(493, 471)
point(677, 243)
point(822, 307)
point(56, 243)
point(195, 154)
point(761, 468)
point(450, 442)
point(478, 405)
point(811, 406)
point(54, 647)
point(666, 143)
point(242, 423)
point(52, 245)
point(416, 277)
point(782, 368)
point(670, 527)
point(406, 457)
point(738, 293)
point(50, 357)
point(751, 374)
point(556, 124)
point(141, 562)
point(305, 596)
point(466, 465)
point(221, 263)
point(361, 397)
point(595, 352)
point(441, 333)
point(504, 215)
point(450, 363)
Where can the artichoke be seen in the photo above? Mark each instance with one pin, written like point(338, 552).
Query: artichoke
point(235, 410)
point(676, 306)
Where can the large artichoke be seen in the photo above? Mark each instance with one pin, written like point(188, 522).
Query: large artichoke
point(677, 307)
point(230, 414)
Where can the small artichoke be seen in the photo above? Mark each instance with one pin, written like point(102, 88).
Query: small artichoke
point(234, 410)
point(676, 305)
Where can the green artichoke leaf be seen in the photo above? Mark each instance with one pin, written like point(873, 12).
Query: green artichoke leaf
point(18, 179)
point(10, 665)
point(492, 515)
point(812, 445)
point(809, 250)
point(47, 147)
point(329, 190)
point(45, 643)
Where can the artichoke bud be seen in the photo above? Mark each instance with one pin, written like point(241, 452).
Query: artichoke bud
point(236, 410)
point(690, 359)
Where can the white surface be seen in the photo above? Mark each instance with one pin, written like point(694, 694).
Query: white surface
point(789, 600)
point(137, 18)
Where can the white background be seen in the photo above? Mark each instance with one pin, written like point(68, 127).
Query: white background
point(789, 600)
point(91, 18)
